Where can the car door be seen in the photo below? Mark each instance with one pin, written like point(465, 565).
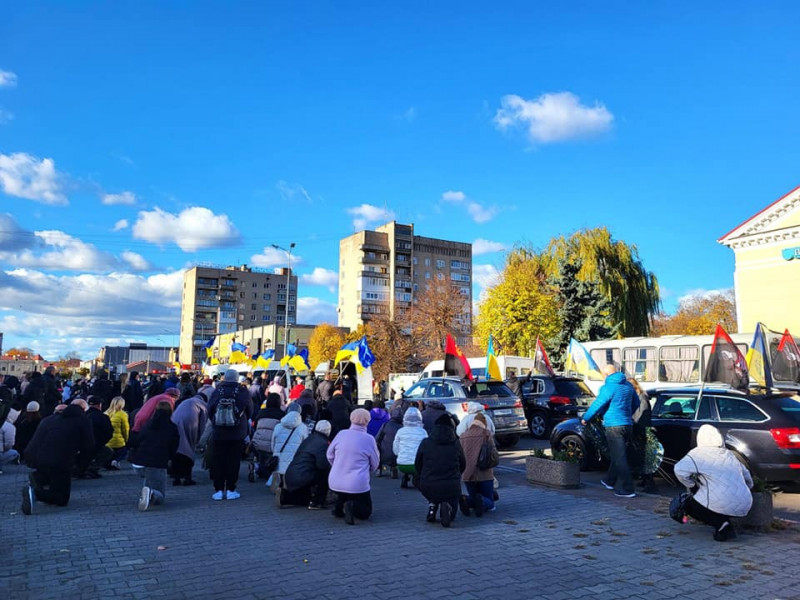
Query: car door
point(741, 425)
point(674, 419)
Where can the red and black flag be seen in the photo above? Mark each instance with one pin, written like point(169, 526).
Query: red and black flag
point(455, 363)
point(541, 364)
point(786, 360)
point(726, 364)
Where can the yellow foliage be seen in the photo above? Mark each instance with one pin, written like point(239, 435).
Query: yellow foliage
point(699, 315)
point(325, 340)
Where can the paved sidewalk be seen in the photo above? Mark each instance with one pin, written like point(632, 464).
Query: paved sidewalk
point(538, 544)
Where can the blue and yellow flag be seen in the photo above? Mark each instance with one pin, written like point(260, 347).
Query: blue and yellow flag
point(580, 361)
point(758, 358)
point(238, 357)
point(347, 352)
point(492, 368)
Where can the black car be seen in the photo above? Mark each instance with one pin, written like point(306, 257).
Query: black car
point(550, 400)
point(762, 430)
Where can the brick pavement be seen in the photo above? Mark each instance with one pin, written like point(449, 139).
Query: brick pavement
point(539, 544)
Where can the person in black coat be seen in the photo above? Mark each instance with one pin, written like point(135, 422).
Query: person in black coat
point(385, 440)
point(35, 391)
point(306, 479)
point(440, 462)
point(152, 450)
point(228, 441)
point(133, 395)
point(52, 397)
point(52, 451)
point(88, 464)
point(433, 410)
point(338, 413)
point(103, 389)
point(306, 399)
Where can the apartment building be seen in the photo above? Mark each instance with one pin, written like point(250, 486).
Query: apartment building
point(220, 300)
point(381, 272)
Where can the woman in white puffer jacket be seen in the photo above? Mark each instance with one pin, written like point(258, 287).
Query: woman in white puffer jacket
point(406, 442)
point(723, 483)
point(286, 439)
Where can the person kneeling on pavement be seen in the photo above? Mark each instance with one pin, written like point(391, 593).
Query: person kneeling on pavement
point(440, 462)
point(406, 443)
point(306, 479)
point(286, 439)
point(89, 463)
point(479, 482)
point(723, 483)
point(152, 450)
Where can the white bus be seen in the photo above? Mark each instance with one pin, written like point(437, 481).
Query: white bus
point(666, 361)
point(518, 365)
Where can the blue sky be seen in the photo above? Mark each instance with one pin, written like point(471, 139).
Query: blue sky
point(137, 138)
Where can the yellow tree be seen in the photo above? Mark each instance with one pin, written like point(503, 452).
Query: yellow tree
point(521, 306)
point(699, 315)
point(323, 344)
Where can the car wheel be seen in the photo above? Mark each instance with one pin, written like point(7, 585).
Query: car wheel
point(507, 441)
point(537, 425)
point(575, 445)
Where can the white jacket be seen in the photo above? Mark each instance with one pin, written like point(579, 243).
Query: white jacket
point(290, 425)
point(723, 482)
point(8, 436)
point(473, 408)
point(409, 437)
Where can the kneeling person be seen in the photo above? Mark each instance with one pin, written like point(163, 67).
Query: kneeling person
point(306, 479)
point(440, 462)
point(153, 448)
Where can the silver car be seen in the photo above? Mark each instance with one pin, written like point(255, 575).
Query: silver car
point(499, 402)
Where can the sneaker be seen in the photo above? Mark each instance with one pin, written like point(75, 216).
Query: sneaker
point(144, 499)
point(233, 495)
point(314, 506)
point(605, 485)
point(220, 495)
point(494, 508)
point(28, 500)
point(625, 494)
point(477, 504)
point(431, 516)
point(348, 513)
point(447, 514)
point(463, 504)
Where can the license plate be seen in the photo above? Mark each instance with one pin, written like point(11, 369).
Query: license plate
point(503, 411)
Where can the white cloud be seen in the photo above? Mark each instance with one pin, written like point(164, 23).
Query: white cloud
point(273, 257)
point(322, 277)
point(12, 236)
point(136, 261)
point(311, 311)
point(476, 211)
point(366, 214)
point(7, 79)
point(553, 117)
point(482, 246)
point(25, 176)
point(60, 251)
point(486, 276)
point(5, 116)
point(194, 228)
point(292, 192)
point(121, 198)
point(703, 294)
point(121, 224)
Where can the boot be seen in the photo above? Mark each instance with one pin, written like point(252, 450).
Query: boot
point(404, 482)
point(431, 518)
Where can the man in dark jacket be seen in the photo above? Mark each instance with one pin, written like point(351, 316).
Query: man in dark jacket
point(152, 449)
point(133, 395)
point(324, 391)
point(228, 439)
point(58, 439)
point(440, 462)
point(338, 413)
point(36, 391)
point(306, 479)
point(52, 397)
point(88, 464)
point(433, 410)
point(103, 389)
point(385, 440)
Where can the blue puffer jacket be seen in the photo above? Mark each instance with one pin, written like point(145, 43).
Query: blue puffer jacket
point(616, 402)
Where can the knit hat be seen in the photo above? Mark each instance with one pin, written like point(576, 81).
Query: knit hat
point(231, 376)
point(360, 417)
point(32, 406)
point(324, 427)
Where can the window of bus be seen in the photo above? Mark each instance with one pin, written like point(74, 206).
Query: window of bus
point(707, 352)
point(640, 363)
point(679, 364)
point(603, 357)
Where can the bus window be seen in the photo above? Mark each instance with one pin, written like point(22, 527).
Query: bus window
point(640, 363)
point(603, 357)
point(510, 371)
point(679, 364)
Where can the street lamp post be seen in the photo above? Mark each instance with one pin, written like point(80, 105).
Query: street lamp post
point(288, 285)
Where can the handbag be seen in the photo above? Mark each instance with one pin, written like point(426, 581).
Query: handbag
point(677, 506)
point(273, 461)
point(488, 457)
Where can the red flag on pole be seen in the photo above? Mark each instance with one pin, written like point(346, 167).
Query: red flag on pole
point(726, 363)
point(786, 362)
point(541, 364)
point(455, 363)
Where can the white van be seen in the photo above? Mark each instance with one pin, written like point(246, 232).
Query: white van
point(518, 365)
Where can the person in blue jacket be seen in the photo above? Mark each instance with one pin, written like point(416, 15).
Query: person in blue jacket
point(616, 402)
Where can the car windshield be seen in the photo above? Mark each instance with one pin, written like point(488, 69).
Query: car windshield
point(790, 406)
point(489, 388)
point(571, 388)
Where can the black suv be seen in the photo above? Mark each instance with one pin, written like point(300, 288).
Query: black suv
point(550, 400)
point(762, 430)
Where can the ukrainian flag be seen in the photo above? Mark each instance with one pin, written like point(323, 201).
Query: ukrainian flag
point(758, 359)
point(492, 368)
point(238, 357)
point(580, 361)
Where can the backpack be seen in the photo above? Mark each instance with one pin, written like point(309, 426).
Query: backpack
point(228, 414)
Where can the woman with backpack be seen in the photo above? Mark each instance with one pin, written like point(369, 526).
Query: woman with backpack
point(479, 482)
point(229, 409)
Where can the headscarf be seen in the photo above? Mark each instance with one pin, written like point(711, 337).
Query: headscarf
point(360, 417)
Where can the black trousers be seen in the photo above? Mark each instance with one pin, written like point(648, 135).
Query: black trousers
point(225, 464)
point(52, 486)
point(700, 513)
point(94, 461)
point(362, 504)
point(182, 467)
point(619, 445)
point(316, 491)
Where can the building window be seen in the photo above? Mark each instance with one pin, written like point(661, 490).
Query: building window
point(440, 276)
point(255, 295)
point(266, 308)
point(267, 296)
point(281, 286)
point(252, 317)
point(241, 317)
point(253, 307)
point(266, 285)
point(440, 264)
point(427, 274)
point(241, 294)
point(266, 318)
point(255, 284)
point(414, 260)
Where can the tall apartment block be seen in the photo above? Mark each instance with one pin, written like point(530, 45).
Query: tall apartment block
point(381, 271)
point(222, 300)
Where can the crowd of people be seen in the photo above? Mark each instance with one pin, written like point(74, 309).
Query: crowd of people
point(313, 445)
